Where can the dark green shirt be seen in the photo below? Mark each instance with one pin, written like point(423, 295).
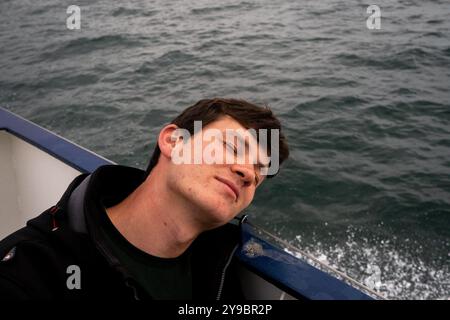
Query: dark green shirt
point(161, 278)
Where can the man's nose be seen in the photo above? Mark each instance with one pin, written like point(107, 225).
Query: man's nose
point(245, 173)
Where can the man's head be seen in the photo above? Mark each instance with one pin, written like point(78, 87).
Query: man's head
point(217, 191)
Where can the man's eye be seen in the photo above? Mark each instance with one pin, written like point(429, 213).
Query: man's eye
point(231, 147)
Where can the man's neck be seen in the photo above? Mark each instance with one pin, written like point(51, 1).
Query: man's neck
point(153, 221)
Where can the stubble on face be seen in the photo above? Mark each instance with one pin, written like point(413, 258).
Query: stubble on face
point(208, 198)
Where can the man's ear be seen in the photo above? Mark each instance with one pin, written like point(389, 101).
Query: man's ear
point(167, 140)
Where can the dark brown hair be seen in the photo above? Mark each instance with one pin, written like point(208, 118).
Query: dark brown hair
point(247, 114)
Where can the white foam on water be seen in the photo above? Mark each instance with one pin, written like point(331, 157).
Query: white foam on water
point(393, 271)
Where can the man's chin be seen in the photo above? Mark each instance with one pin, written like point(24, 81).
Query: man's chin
point(214, 212)
point(217, 218)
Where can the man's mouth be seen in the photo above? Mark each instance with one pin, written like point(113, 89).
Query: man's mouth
point(230, 185)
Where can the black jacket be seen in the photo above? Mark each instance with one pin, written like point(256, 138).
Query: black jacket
point(35, 260)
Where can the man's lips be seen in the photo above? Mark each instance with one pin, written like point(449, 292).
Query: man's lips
point(231, 185)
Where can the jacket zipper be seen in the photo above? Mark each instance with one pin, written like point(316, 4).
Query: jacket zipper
point(135, 293)
point(222, 278)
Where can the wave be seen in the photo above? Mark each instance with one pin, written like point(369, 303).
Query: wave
point(85, 45)
point(223, 8)
point(133, 12)
point(409, 59)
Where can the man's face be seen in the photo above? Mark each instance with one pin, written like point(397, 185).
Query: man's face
point(217, 192)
